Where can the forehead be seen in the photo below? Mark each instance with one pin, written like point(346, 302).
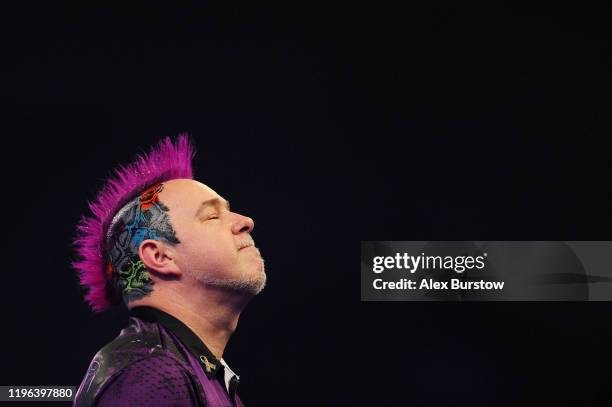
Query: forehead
point(186, 194)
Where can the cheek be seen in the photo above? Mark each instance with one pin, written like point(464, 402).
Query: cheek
point(206, 255)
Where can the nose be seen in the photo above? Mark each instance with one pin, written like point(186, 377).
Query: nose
point(243, 224)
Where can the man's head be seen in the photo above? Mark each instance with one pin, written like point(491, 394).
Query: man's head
point(153, 224)
point(216, 245)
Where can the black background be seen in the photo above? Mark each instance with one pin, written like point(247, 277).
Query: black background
point(327, 126)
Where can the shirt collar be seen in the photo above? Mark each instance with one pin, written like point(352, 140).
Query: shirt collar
point(210, 364)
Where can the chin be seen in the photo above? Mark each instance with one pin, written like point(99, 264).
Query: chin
point(251, 281)
point(256, 283)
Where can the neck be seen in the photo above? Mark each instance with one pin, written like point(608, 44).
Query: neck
point(213, 317)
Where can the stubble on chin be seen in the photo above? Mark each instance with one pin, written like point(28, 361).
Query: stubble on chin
point(249, 284)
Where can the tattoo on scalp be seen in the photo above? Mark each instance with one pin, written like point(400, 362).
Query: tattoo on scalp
point(145, 217)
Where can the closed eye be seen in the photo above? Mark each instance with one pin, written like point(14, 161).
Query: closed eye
point(207, 218)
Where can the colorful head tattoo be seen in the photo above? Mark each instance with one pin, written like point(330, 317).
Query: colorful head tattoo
point(142, 218)
point(127, 211)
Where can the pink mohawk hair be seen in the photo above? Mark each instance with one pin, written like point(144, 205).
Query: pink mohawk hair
point(165, 161)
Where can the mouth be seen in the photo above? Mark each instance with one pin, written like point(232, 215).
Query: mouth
point(246, 245)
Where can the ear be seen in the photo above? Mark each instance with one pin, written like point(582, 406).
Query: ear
point(158, 257)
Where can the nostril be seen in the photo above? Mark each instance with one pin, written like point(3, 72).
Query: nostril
point(245, 228)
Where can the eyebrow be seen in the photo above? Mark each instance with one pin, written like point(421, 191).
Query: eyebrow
point(212, 202)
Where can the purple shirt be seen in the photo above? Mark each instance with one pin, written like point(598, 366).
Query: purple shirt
point(157, 361)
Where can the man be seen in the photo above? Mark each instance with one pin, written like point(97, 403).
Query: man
point(171, 250)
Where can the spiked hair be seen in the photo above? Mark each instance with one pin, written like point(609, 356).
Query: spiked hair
point(165, 161)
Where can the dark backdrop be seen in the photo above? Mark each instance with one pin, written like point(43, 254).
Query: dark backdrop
point(328, 127)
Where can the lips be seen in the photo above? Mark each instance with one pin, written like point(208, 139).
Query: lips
point(245, 245)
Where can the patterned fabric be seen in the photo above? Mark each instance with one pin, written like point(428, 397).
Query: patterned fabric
point(154, 381)
point(147, 365)
point(212, 366)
